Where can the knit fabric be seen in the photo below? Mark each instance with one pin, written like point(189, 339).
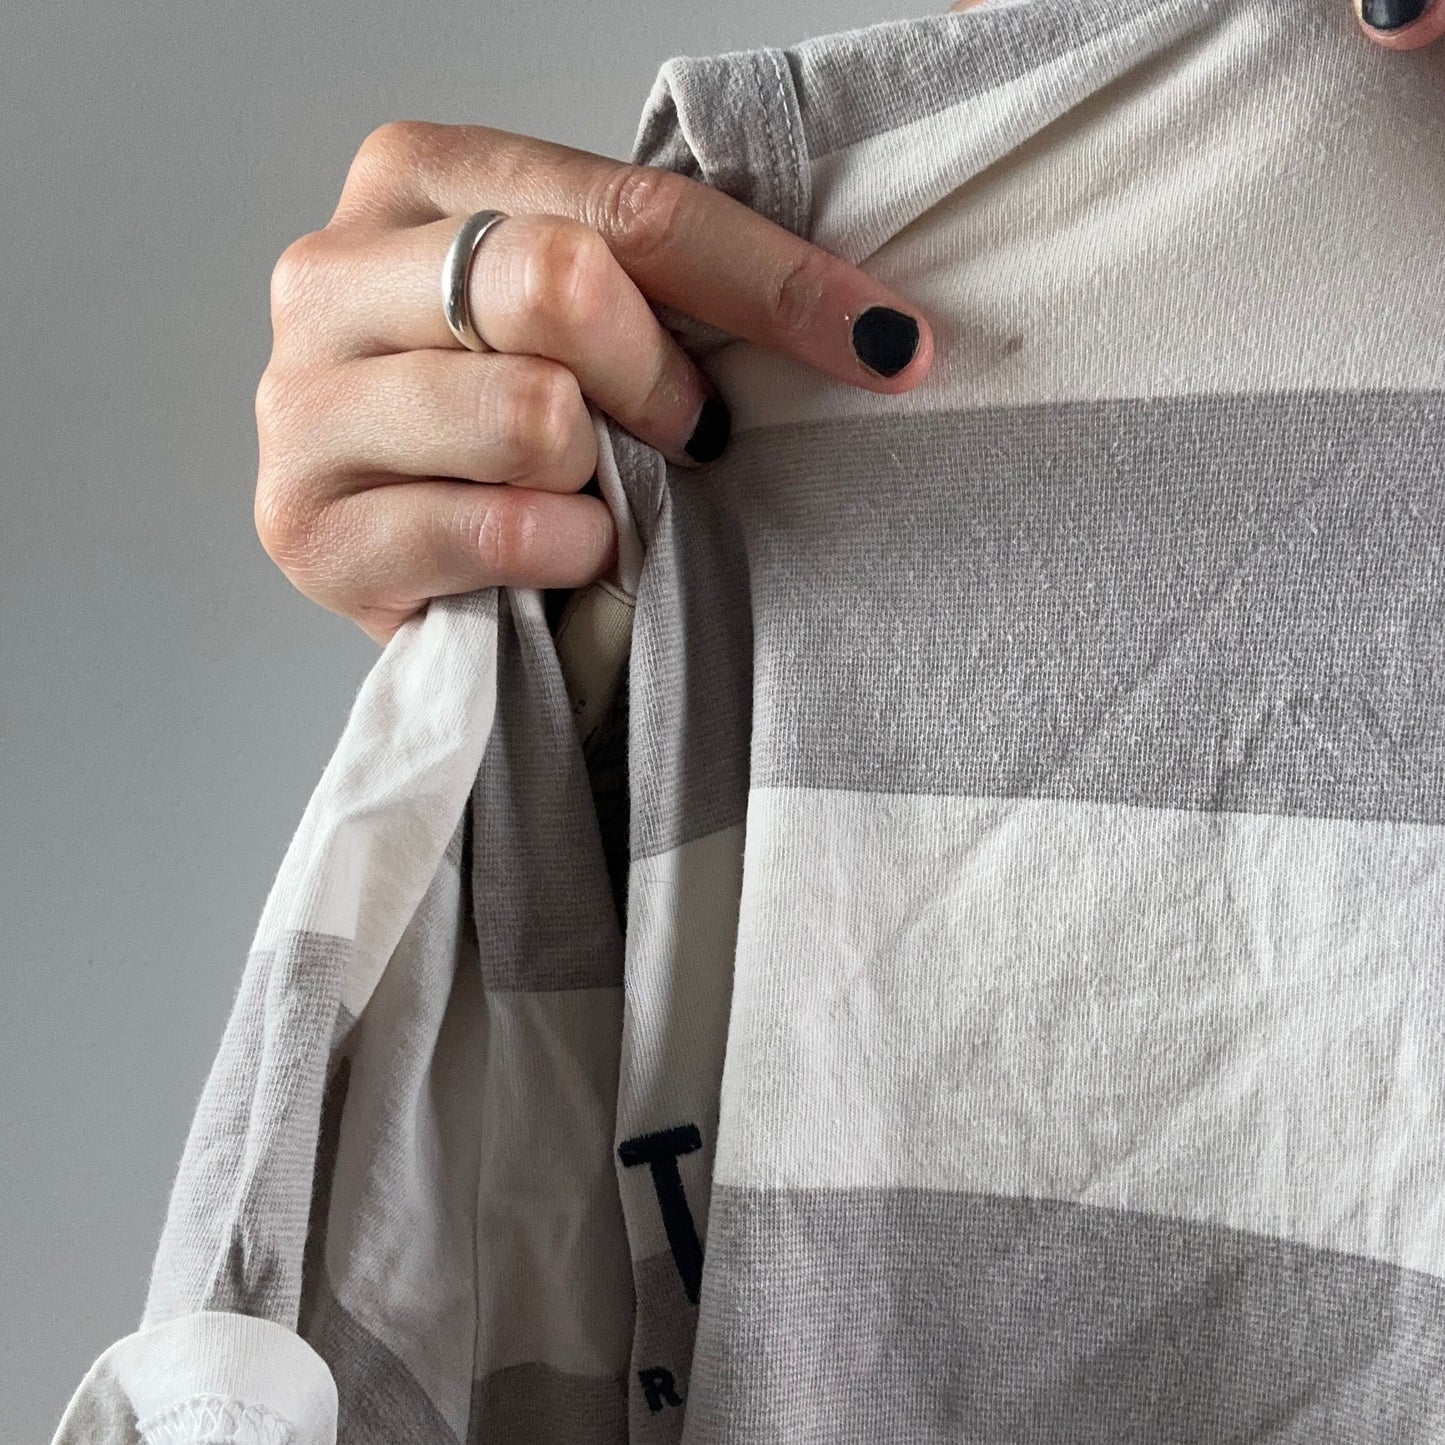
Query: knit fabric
point(1020, 1015)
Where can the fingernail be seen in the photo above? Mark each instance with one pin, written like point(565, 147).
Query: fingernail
point(710, 435)
point(885, 339)
point(1392, 14)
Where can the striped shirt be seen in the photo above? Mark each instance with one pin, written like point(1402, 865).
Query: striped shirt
point(1005, 1003)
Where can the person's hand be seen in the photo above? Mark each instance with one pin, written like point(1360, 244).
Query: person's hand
point(396, 465)
point(1401, 24)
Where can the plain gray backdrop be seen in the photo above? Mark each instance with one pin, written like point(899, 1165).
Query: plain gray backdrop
point(167, 699)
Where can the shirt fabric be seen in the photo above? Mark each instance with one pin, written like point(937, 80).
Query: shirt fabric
point(1020, 1013)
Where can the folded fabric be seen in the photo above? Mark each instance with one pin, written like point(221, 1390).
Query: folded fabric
point(1017, 1011)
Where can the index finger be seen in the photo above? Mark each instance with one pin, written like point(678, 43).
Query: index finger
point(683, 243)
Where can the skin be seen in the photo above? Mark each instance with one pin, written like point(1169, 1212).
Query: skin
point(396, 466)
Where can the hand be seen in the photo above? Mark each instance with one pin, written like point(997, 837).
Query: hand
point(1401, 24)
point(396, 465)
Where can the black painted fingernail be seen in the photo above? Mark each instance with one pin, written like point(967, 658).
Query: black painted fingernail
point(885, 340)
point(1392, 14)
point(710, 435)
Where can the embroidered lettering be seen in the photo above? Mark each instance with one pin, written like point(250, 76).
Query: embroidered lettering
point(660, 1153)
point(658, 1386)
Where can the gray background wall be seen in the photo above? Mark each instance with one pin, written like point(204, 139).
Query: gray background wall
point(167, 700)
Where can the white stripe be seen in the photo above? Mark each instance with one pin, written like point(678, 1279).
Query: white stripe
point(1232, 1018)
point(1182, 232)
point(866, 193)
point(682, 923)
point(376, 827)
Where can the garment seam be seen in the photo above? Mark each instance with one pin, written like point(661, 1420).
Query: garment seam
point(775, 175)
point(794, 219)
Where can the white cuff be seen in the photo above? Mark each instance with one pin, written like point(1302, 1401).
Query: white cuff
point(206, 1379)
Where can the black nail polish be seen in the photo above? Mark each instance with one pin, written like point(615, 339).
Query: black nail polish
point(1392, 14)
point(885, 339)
point(710, 435)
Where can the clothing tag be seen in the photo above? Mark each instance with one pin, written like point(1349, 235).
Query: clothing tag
point(594, 636)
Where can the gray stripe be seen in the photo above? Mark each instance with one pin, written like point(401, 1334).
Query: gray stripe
point(732, 122)
point(235, 1225)
point(540, 890)
point(341, 1029)
point(537, 1405)
point(661, 1352)
point(99, 1412)
point(690, 683)
point(328, 1140)
point(1222, 603)
point(859, 1316)
point(379, 1401)
point(738, 115)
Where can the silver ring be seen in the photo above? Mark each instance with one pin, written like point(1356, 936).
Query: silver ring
point(455, 271)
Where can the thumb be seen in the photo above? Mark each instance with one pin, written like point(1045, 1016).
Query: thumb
point(1401, 24)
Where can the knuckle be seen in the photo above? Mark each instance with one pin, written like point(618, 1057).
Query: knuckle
point(565, 278)
point(285, 523)
point(539, 412)
point(392, 144)
point(799, 292)
point(282, 396)
point(273, 404)
point(390, 164)
point(667, 389)
point(270, 399)
point(557, 410)
point(296, 275)
point(636, 208)
point(502, 533)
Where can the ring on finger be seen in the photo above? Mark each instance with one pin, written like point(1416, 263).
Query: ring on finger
point(455, 272)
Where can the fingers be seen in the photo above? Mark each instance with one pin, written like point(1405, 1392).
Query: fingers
point(681, 242)
point(1401, 24)
point(380, 433)
point(432, 537)
point(484, 418)
point(368, 494)
point(539, 286)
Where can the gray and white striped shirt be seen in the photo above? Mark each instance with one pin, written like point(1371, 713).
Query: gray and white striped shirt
point(1027, 1019)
